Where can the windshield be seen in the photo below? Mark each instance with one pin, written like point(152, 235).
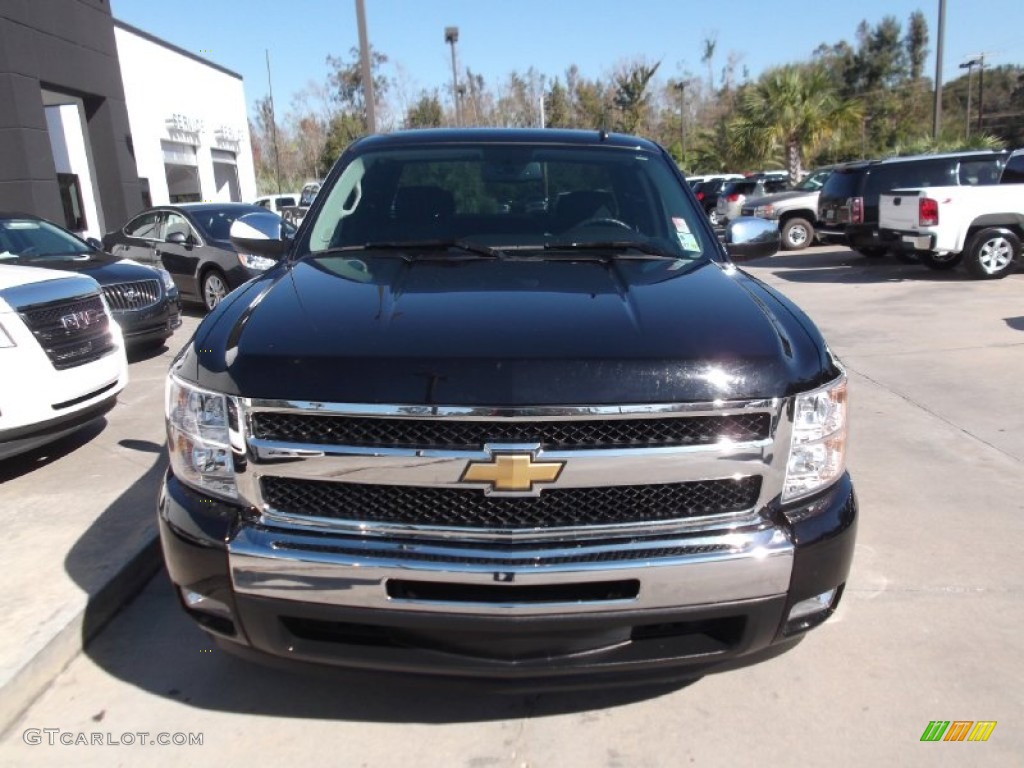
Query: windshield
point(215, 223)
point(504, 199)
point(814, 182)
point(25, 240)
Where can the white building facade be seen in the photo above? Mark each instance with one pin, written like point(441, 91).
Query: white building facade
point(189, 126)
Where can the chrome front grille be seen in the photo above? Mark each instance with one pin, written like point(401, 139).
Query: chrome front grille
point(389, 471)
point(317, 429)
point(72, 332)
point(129, 297)
point(614, 505)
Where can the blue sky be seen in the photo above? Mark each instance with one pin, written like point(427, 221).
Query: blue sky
point(498, 36)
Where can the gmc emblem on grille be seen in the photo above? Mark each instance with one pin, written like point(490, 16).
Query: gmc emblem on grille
point(78, 321)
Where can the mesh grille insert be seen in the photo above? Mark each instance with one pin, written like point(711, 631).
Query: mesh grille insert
point(467, 435)
point(554, 508)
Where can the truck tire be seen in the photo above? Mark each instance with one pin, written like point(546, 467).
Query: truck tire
point(992, 253)
point(797, 234)
point(939, 261)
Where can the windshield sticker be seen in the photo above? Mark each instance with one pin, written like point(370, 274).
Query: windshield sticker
point(688, 241)
point(681, 225)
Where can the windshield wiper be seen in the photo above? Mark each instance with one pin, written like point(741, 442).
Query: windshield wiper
point(419, 245)
point(614, 248)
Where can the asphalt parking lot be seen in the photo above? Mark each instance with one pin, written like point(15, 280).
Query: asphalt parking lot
point(931, 627)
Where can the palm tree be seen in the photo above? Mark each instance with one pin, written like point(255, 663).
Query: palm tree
point(794, 110)
point(631, 94)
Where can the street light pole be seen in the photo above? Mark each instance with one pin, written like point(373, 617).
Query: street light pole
point(937, 117)
point(451, 36)
point(273, 125)
point(367, 74)
point(969, 66)
point(981, 89)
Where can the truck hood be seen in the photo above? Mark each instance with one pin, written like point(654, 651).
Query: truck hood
point(795, 196)
point(505, 333)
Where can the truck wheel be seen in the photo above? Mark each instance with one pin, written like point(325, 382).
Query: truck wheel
point(797, 234)
point(214, 288)
point(939, 261)
point(992, 253)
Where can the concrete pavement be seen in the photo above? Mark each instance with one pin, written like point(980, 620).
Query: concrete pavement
point(80, 531)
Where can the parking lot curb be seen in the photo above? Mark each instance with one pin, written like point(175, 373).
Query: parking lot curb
point(26, 684)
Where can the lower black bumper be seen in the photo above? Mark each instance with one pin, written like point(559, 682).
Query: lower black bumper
point(599, 647)
point(150, 325)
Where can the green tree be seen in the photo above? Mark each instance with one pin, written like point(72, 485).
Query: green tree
point(917, 44)
point(793, 109)
point(426, 112)
point(557, 111)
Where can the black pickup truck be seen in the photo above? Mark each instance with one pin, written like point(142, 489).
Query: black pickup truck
point(457, 432)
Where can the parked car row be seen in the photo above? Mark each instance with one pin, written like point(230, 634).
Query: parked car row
point(143, 300)
point(979, 225)
point(848, 205)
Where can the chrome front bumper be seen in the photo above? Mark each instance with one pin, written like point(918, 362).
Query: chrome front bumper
point(678, 573)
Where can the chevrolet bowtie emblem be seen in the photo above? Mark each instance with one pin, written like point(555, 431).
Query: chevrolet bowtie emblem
point(512, 472)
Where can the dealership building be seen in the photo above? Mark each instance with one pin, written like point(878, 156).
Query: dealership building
point(99, 119)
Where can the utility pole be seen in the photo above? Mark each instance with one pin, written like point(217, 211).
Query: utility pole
point(681, 87)
point(273, 125)
point(937, 118)
point(367, 73)
point(451, 36)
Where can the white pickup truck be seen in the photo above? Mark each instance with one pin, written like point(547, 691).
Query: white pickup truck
point(981, 226)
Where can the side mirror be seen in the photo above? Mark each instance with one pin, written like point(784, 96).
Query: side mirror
point(261, 233)
point(178, 238)
point(94, 243)
point(749, 237)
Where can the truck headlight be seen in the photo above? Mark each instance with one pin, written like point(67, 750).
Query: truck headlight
point(198, 438)
point(817, 454)
point(765, 212)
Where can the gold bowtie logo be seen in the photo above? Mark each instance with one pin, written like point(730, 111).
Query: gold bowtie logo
point(512, 472)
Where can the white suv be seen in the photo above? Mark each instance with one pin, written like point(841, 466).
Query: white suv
point(61, 354)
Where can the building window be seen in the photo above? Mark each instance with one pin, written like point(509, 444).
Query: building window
point(182, 171)
point(71, 201)
point(225, 175)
